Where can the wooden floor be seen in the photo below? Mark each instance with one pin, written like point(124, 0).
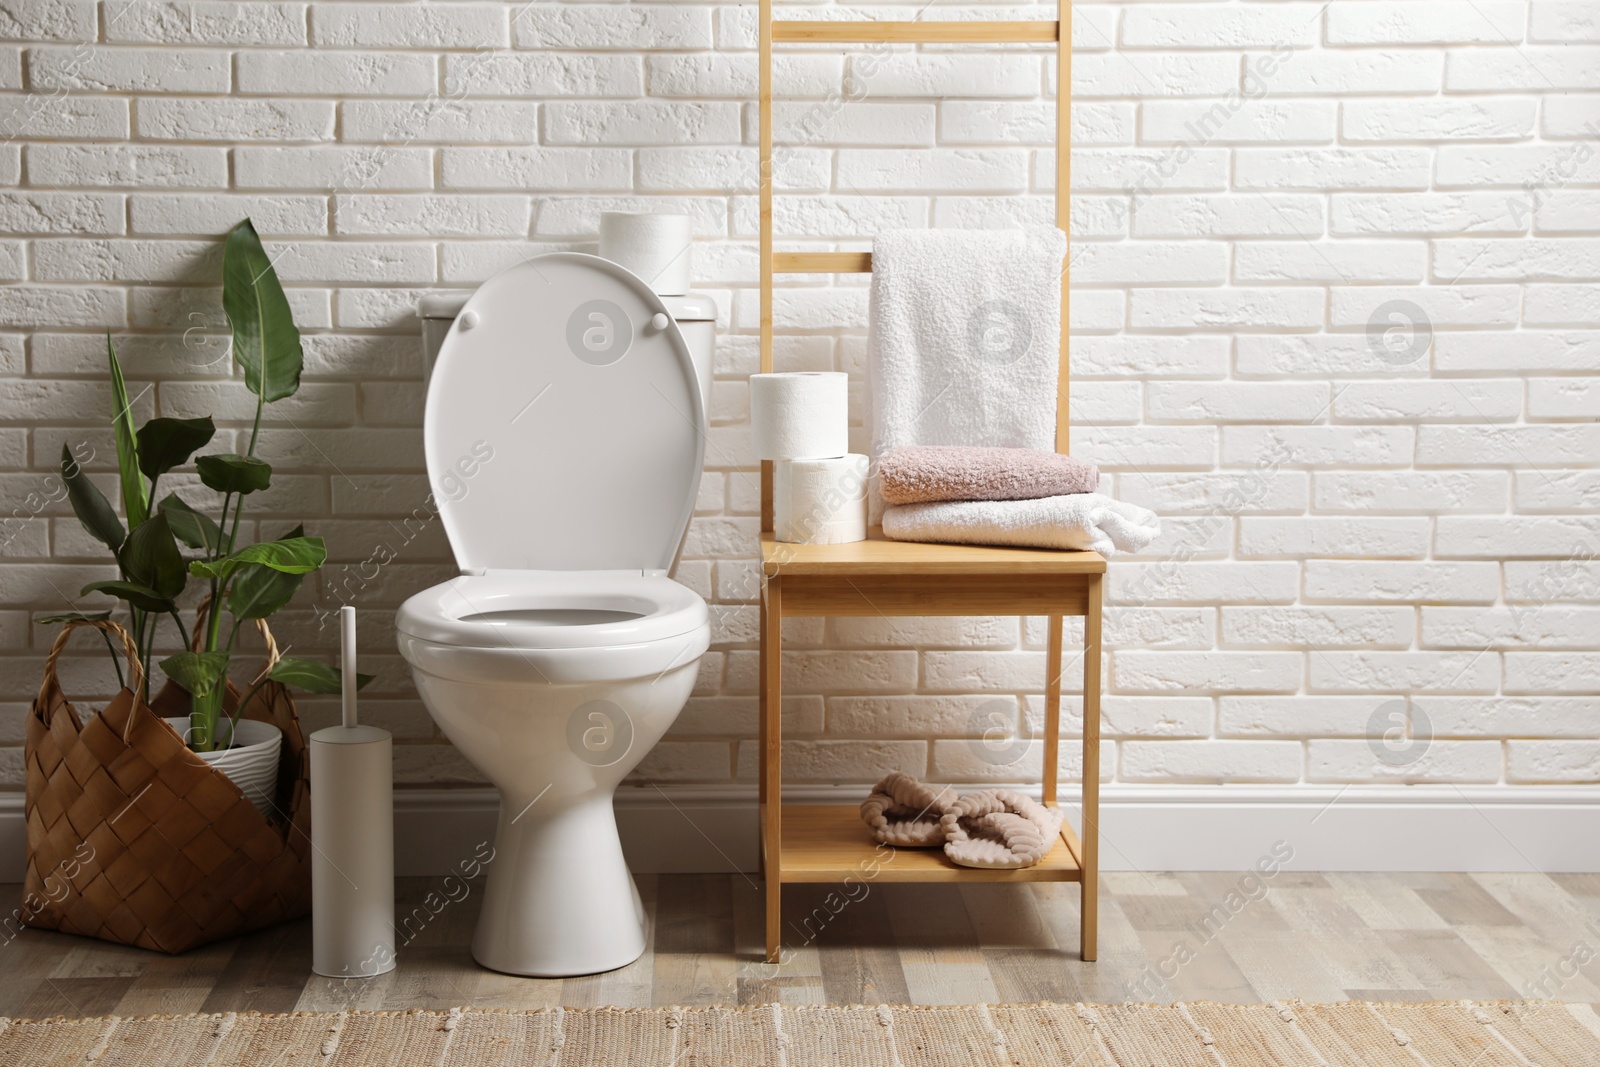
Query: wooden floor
point(1163, 937)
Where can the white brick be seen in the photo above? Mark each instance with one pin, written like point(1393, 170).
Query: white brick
point(802, 123)
point(432, 215)
point(1136, 448)
point(45, 212)
point(1569, 115)
point(1123, 74)
point(1318, 446)
point(1149, 357)
point(1225, 401)
point(989, 671)
point(332, 168)
point(66, 115)
point(1157, 671)
point(548, 169)
point(1212, 761)
point(1161, 627)
point(1227, 215)
point(936, 170)
point(456, 25)
point(1353, 72)
point(641, 123)
point(1181, 581)
point(1424, 213)
point(1472, 259)
point(1410, 491)
point(1463, 536)
point(1317, 169)
point(1573, 579)
point(48, 20)
point(1294, 716)
point(1563, 398)
point(1146, 171)
point(236, 120)
point(1223, 308)
point(1238, 121)
point(1552, 672)
point(945, 74)
point(1438, 120)
point(141, 70)
point(1566, 211)
point(1451, 672)
point(1336, 262)
point(1418, 760)
point(1229, 492)
point(1401, 582)
point(1246, 25)
point(1528, 69)
point(1552, 761)
point(1441, 305)
point(1263, 536)
point(133, 261)
point(1151, 263)
point(1509, 446)
point(1318, 627)
point(1564, 20)
point(168, 22)
point(1470, 400)
point(555, 74)
point(1537, 350)
point(323, 72)
point(435, 120)
point(613, 26)
point(1469, 166)
point(1544, 627)
point(207, 214)
point(1426, 22)
point(1515, 716)
point(1013, 122)
point(1577, 490)
point(1316, 356)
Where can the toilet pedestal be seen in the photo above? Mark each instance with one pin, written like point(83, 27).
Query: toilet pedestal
point(559, 900)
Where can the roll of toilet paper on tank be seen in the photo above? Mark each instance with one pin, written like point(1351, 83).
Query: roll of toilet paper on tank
point(820, 501)
point(800, 414)
point(655, 247)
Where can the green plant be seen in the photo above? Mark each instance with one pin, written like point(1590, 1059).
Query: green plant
point(249, 582)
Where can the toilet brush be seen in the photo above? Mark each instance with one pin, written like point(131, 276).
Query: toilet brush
point(352, 837)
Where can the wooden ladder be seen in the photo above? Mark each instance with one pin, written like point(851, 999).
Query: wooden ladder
point(878, 577)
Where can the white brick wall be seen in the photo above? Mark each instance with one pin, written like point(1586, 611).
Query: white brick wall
point(1357, 532)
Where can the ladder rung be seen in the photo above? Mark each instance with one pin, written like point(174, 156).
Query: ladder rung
point(822, 262)
point(1033, 31)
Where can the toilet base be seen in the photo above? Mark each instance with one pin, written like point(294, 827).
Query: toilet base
point(559, 899)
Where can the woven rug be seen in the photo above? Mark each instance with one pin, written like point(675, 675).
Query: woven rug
point(1292, 1034)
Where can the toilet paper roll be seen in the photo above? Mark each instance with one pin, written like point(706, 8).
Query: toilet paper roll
point(800, 415)
point(820, 501)
point(655, 247)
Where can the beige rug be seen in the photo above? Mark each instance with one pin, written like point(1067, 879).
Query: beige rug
point(1294, 1034)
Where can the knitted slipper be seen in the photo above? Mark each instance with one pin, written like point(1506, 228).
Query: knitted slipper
point(999, 828)
point(903, 812)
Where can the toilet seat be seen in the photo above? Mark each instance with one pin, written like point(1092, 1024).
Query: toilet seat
point(553, 626)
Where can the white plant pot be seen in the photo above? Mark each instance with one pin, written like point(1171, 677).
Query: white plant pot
point(252, 763)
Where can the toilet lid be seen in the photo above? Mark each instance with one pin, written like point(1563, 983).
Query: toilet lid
point(563, 424)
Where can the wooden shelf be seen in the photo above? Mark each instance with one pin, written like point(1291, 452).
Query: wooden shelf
point(879, 555)
point(826, 843)
point(859, 31)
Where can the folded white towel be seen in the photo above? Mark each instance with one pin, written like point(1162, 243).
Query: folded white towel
point(1081, 521)
point(964, 339)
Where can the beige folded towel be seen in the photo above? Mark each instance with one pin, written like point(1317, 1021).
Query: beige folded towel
point(914, 474)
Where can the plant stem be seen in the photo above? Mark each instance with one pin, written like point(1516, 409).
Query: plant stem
point(181, 630)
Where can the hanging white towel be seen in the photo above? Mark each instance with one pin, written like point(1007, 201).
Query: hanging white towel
point(964, 339)
point(1090, 521)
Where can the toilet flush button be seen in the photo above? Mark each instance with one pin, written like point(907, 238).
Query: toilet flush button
point(469, 319)
point(659, 321)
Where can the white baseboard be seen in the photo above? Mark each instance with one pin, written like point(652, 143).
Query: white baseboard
point(1149, 828)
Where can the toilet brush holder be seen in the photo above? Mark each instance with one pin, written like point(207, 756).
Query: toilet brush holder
point(352, 831)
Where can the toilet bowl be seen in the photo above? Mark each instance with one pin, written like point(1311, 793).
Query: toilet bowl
point(564, 434)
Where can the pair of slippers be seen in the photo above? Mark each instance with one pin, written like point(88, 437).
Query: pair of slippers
point(995, 828)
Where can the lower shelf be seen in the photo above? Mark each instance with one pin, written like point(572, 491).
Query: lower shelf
point(829, 843)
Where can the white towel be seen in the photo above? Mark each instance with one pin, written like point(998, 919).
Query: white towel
point(964, 339)
point(1081, 521)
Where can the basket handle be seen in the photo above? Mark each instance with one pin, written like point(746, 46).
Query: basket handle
point(129, 649)
point(273, 654)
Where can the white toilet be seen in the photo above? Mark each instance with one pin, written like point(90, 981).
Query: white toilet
point(565, 430)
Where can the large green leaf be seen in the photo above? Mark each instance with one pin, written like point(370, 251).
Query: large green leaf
point(265, 340)
point(258, 591)
point(197, 672)
point(140, 596)
point(190, 526)
point(228, 473)
point(135, 497)
point(151, 558)
point(293, 555)
point(90, 504)
point(311, 675)
point(166, 443)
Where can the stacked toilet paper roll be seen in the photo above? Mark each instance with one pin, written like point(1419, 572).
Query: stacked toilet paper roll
point(655, 247)
point(819, 489)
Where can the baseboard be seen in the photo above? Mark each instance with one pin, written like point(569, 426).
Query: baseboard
point(1155, 828)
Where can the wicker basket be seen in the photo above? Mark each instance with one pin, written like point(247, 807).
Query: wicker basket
point(133, 838)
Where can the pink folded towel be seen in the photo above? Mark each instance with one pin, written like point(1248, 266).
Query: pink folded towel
point(915, 474)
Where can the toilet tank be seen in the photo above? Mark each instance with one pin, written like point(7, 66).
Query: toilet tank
point(695, 314)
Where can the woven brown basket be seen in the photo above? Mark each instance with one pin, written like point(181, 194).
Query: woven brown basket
point(135, 839)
